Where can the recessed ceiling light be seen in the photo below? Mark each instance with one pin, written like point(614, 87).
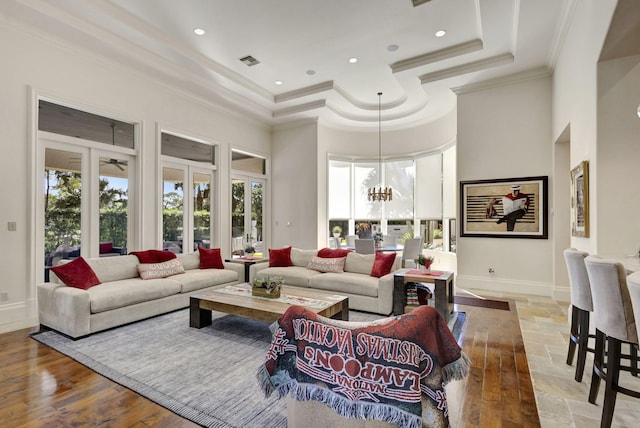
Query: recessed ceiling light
point(311, 72)
point(440, 33)
point(639, 110)
point(392, 48)
point(199, 31)
point(278, 82)
point(353, 60)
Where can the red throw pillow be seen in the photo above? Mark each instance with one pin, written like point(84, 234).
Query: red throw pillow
point(77, 273)
point(329, 253)
point(153, 256)
point(382, 264)
point(106, 247)
point(280, 257)
point(210, 258)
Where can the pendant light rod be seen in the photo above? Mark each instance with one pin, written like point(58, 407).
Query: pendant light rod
point(380, 139)
point(380, 194)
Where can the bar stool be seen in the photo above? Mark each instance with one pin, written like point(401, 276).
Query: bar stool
point(615, 325)
point(581, 308)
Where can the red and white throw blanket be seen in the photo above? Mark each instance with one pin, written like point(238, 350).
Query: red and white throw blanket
point(394, 370)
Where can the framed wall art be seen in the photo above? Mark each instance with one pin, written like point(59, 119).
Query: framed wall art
point(580, 200)
point(505, 208)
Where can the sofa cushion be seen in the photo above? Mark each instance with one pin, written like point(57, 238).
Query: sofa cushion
point(127, 292)
point(153, 256)
point(352, 283)
point(323, 264)
point(114, 268)
point(302, 257)
point(382, 264)
point(280, 257)
point(210, 258)
point(333, 252)
point(293, 275)
point(76, 273)
point(160, 270)
point(190, 261)
point(359, 263)
point(196, 279)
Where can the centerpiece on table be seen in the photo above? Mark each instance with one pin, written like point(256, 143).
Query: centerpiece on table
point(424, 263)
point(267, 287)
point(249, 251)
point(378, 238)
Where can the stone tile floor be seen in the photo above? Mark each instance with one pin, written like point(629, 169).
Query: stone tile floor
point(561, 401)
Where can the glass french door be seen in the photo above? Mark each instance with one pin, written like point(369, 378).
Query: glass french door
point(85, 201)
point(186, 210)
point(247, 218)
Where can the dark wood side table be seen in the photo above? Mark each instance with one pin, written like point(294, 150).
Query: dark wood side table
point(247, 262)
point(442, 295)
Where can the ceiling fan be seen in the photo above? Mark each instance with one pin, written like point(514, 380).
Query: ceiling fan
point(117, 163)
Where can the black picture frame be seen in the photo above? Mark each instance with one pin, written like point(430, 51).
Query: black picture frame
point(494, 208)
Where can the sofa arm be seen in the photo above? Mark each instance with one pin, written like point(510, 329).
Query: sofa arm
point(236, 267)
point(385, 293)
point(66, 309)
point(255, 268)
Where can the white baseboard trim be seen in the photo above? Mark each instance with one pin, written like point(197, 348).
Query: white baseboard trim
point(561, 294)
point(505, 285)
point(17, 316)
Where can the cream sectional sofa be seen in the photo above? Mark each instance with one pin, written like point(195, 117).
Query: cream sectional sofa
point(123, 296)
point(366, 293)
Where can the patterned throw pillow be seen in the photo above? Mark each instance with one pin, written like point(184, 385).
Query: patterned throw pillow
point(160, 270)
point(77, 273)
point(323, 264)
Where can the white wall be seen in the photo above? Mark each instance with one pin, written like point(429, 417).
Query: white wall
point(80, 78)
point(422, 138)
point(574, 102)
point(504, 132)
point(618, 154)
point(294, 186)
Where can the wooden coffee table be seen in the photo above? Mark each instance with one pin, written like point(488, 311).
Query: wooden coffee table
point(237, 300)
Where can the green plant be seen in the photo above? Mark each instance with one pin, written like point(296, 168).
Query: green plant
point(423, 260)
point(336, 229)
point(271, 284)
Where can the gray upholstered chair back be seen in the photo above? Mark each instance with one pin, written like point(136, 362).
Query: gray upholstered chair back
point(365, 246)
point(612, 308)
point(578, 279)
point(633, 282)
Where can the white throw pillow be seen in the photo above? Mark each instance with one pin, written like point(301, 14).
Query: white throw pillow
point(335, 265)
point(160, 270)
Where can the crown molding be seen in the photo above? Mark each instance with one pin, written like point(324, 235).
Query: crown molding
point(566, 17)
point(306, 91)
point(436, 56)
point(467, 68)
point(535, 73)
point(299, 108)
point(295, 124)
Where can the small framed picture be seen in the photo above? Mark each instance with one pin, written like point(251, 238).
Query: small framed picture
point(580, 200)
point(505, 208)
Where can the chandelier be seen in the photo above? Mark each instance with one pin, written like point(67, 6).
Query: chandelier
point(380, 193)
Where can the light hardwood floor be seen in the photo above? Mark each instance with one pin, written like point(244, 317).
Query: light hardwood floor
point(517, 380)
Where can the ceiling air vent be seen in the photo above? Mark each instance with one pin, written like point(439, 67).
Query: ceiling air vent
point(249, 61)
point(419, 2)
